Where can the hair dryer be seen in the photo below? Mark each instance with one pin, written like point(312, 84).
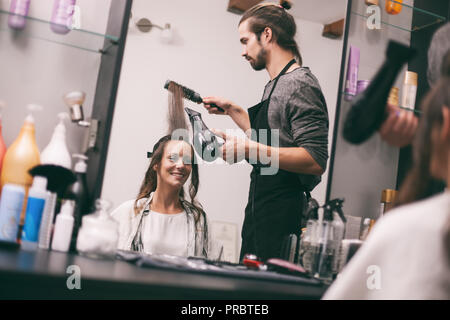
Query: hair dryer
point(367, 111)
point(205, 142)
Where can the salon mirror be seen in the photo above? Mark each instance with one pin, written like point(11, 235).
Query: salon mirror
point(205, 55)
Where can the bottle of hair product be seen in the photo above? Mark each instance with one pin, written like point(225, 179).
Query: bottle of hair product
point(394, 7)
point(21, 156)
point(338, 235)
point(393, 97)
point(409, 90)
point(74, 101)
point(388, 197)
point(352, 73)
point(11, 203)
point(56, 151)
point(79, 193)
point(2, 142)
point(309, 241)
point(61, 21)
point(63, 227)
point(19, 11)
point(325, 250)
point(33, 215)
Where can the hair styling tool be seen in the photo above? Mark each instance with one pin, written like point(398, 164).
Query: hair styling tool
point(367, 111)
point(190, 94)
point(205, 142)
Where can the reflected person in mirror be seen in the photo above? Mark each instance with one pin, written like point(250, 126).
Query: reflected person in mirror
point(290, 125)
point(399, 128)
point(161, 220)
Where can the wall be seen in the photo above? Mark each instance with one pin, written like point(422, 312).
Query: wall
point(205, 56)
point(39, 71)
point(361, 172)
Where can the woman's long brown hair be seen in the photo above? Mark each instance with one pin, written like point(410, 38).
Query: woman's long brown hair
point(175, 115)
point(417, 184)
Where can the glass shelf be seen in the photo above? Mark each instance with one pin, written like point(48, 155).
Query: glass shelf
point(77, 38)
point(425, 17)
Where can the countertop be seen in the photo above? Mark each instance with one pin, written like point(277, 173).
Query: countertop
point(44, 274)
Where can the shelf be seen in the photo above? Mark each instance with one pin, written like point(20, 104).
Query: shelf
point(426, 18)
point(41, 29)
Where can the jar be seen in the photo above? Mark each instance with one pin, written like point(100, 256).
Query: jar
point(98, 235)
point(394, 7)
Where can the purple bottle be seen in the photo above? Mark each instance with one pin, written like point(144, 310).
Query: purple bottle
point(19, 8)
point(62, 16)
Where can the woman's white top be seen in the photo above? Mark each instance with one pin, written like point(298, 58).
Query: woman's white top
point(160, 233)
point(404, 256)
point(164, 233)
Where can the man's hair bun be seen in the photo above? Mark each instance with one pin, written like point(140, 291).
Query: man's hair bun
point(286, 4)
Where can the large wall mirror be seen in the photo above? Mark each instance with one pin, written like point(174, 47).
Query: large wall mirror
point(360, 173)
point(203, 52)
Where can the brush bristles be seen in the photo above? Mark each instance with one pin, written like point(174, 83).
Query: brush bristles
point(188, 93)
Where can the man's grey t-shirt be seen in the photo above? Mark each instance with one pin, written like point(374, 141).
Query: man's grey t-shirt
point(298, 109)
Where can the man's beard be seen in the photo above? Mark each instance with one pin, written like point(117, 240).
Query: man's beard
point(260, 62)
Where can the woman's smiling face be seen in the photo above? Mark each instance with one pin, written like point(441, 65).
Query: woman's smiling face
point(176, 164)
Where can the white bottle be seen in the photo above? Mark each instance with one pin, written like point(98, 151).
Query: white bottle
point(56, 151)
point(63, 227)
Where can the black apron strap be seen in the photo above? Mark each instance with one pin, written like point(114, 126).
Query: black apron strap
point(286, 68)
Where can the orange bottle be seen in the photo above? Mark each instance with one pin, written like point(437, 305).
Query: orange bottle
point(394, 7)
point(2, 142)
point(21, 156)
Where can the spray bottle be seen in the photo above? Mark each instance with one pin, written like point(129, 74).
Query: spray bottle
point(2, 142)
point(324, 252)
point(21, 156)
point(338, 224)
point(306, 252)
point(56, 151)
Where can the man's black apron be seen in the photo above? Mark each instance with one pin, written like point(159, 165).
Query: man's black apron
point(275, 201)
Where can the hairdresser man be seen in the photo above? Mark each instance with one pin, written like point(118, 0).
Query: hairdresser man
point(399, 128)
point(293, 106)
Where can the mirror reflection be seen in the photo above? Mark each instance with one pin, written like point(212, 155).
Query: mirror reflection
point(232, 66)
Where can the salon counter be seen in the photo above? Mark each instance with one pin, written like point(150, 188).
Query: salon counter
point(44, 275)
